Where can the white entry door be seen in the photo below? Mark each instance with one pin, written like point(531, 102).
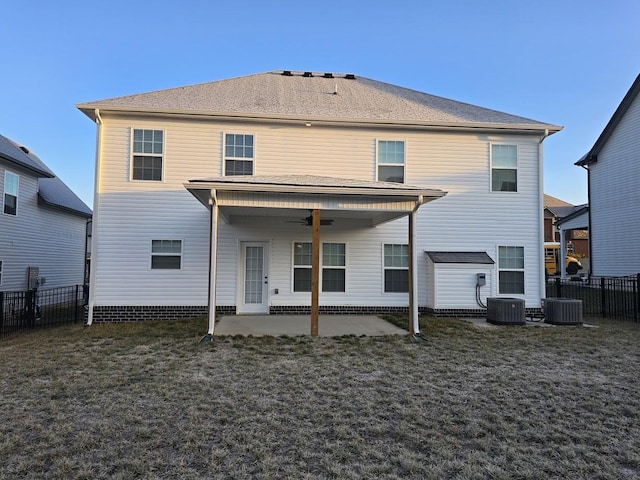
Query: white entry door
point(253, 292)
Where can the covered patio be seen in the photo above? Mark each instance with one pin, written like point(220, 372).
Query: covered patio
point(268, 197)
point(297, 325)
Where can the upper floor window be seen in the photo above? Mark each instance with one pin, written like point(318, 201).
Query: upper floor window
point(510, 270)
point(238, 154)
point(504, 168)
point(11, 181)
point(147, 154)
point(332, 271)
point(166, 254)
point(396, 268)
point(0, 273)
point(391, 161)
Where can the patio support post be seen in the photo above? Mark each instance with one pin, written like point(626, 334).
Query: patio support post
point(413, 275)
point(563, 256)
point(315, 271)
point(213, 263)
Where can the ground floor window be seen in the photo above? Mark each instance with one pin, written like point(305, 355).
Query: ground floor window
point(166, 254)
point(396, 268)
point(333, 267)
point(510, 270)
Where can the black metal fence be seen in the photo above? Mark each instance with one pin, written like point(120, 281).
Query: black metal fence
point(41, 308)
point(611, 297)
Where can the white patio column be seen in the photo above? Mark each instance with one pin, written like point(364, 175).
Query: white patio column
point(563, 256)
point(213, 261)
point(413, 275)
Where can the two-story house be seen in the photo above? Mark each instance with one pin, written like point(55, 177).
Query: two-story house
point(42, 224)
point(303, 192)
point(613, 166)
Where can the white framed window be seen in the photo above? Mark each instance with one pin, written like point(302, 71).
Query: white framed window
point(166, 254)
point(510, 270)
point(390, 156)
point(0, 274)
point(333, 266)
point(147, 161)
point(504, 168)
point(11, 183)
point(396, 267)
point(238, 154)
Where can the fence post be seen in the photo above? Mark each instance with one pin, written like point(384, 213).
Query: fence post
point(30, 319)
point(558, 287)
point(1, 311)
point(75, 306)
point(603, 298)
point(636, 298)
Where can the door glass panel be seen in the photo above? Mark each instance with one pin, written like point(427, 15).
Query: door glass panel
point(253, 275)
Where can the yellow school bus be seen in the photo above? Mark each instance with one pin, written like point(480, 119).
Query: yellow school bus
point(552, 260)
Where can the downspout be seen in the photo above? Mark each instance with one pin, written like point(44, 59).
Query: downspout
point(589, 217)
point(413, 271)
point(541, 275)
point(96, 215)
point(213, 263)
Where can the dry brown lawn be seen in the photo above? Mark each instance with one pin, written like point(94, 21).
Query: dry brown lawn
point(147, 401)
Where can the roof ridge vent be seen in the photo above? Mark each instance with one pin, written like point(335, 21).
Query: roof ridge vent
point(350, 76)
point(328, 75)
point(24, 149)
point(307, 74)
point(287, 73)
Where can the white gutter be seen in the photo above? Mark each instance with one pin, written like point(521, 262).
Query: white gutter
point(543, 276)
point(96, 214)
point(312, 189)
point(302, 120)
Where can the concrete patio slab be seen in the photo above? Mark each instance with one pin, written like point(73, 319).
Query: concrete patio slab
point(295, 325)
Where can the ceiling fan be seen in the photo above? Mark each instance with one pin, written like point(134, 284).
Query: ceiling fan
point(308, 221)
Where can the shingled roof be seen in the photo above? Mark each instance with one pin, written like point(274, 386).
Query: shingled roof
point(51, 190)
point(592, 155)
point(20, 156)
point(309, 96)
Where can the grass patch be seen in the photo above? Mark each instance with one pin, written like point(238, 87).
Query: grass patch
point(145, 400)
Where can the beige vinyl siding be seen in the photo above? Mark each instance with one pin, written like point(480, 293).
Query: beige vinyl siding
point(39, 236)
point(615, 217)
point(470, 217)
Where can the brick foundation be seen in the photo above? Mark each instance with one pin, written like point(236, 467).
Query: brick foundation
point(472, 312)
point(137, 313)
point(335, 310)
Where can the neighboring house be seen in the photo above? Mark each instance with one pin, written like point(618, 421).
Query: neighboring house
point(613, 166)
point(576, 239)
point(226, 194)
point(42, 224)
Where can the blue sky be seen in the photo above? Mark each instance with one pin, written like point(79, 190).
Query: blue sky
point(565, 62)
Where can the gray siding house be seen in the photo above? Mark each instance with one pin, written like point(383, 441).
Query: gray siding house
point(43, 224)
point(613, 166)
